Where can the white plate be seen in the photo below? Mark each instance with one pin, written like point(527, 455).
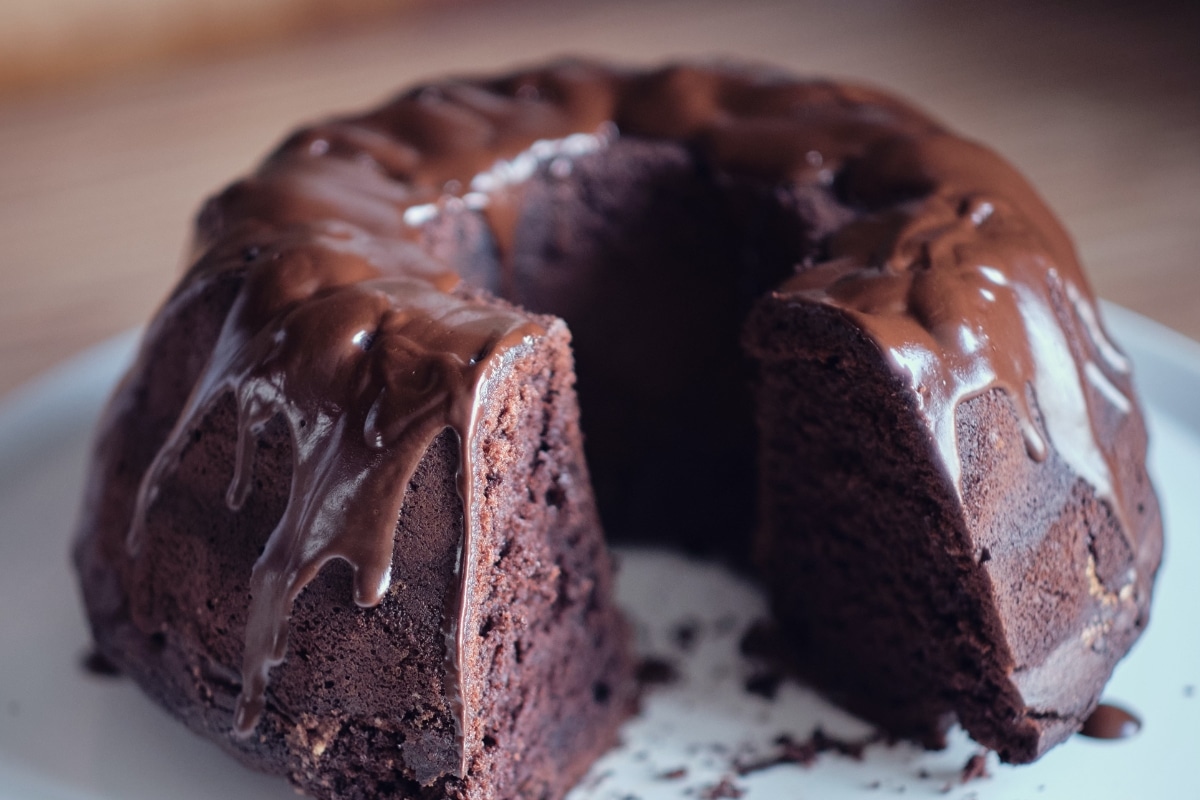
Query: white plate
point(65, 733)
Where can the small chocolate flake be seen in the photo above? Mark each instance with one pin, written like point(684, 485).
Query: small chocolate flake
point(674, 774)
point(805, 753)
point(685, 634)
point(764, 684)
point(975, 768)
point(725, 789)
point(656, 672)
point(97, 663)
point(761, 640)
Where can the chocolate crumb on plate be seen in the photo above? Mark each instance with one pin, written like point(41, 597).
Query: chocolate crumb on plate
point(764, 684)
point(686, 633)
point(805, 752)
point(96, 663)
point(975, 768)
point(653, 671)
point(725, 788)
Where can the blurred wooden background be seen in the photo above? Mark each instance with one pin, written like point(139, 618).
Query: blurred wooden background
point(44, 42)
point(118, 116)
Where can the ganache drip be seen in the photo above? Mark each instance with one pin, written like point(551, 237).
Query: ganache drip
point(346, 331)
point(366, 370)
point(971, 287)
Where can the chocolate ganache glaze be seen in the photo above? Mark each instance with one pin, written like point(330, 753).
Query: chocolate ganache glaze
point(369, 347)
point(972, 285)
point(357, 345)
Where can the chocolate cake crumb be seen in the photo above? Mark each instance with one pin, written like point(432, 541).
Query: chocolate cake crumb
point(685, 634)
point(656, 672)
point(764, 684)
point(922, 773)
point(97, 663)
point(726, 788)
point(805, 752)
point(975, 768)
point(874, 784)
point(674, 774)
point(761, 640)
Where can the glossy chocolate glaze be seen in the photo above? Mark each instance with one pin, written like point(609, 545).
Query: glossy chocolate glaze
point(368, 349)
point(972, 285)
point(360, 349)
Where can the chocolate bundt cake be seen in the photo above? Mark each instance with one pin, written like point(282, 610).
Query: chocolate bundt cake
point(340, 519)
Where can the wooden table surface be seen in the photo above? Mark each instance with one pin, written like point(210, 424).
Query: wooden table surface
point(1099, 104)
